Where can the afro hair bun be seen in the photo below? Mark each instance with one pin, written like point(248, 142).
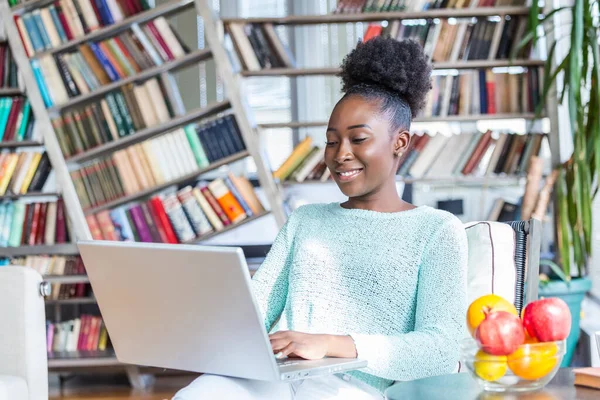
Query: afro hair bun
point(399, 67)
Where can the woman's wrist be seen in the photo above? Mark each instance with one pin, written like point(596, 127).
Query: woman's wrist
point(340, 346)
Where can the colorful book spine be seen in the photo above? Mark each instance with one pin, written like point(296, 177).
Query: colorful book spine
point(194, 212)
point(235, 213)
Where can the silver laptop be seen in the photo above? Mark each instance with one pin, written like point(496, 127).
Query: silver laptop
point(190, 308)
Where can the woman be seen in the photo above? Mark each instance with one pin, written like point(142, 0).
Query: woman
point(374, 277)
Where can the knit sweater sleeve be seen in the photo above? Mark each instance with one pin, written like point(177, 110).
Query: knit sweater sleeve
point(270, 282)
point(433, 347)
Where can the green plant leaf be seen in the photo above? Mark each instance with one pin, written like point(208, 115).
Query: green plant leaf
point(550, 78)
point(586, 208)
point(556, 269)
point(574, 54)
point(563, 229)
point(595, 126)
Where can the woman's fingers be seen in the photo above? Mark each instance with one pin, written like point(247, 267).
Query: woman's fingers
point(279, 344)
point(287, 350)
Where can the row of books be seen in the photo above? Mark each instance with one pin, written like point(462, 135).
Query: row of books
point(120, 113)
point(8, 69)
point(437, 156)
point(16, 119)
point(306, 162)
point(95, 64)
point(22, 172)
point(358, 6)
point(257, 46)
point(154, 162)
point(480, 154)
point(86, 333)
point(483, 92)
point(58, 266)
point(60, 22)
point(33, 223)
point(462, 39)
point(189, 214)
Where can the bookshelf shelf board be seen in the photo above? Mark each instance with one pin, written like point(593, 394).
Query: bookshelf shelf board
point(228, 228)
point(10, 91)
point(150, 132)
point(110, 30)
point(66, 249)
point(32, 194)
point(105, 358)
point(385, 16)
point(77, 300)
point(25, 143)
point(66, 278)
point(182, 62)
point(469, 64)
point(450, 118)
point(180, 181)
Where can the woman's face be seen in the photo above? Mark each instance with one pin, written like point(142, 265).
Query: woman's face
point(361, 152)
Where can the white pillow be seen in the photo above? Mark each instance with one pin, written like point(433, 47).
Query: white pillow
point(491, 266)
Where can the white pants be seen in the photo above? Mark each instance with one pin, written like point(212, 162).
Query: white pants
point(329, 387)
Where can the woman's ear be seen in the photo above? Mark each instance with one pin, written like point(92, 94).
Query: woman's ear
point(401, 143)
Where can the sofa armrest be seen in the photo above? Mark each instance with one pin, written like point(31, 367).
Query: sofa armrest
point(23, 334)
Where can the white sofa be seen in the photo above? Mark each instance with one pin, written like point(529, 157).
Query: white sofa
point(23, 358)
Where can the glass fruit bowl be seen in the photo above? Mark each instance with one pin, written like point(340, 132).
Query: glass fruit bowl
point(529, 368)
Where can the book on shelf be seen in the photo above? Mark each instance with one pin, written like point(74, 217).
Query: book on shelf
point(120, 113)
point(9, 75)
point(185, 215)
point(157, 161)
point(93, 64)
point(84, 334)
point(23, 171)
point(366, 6)
point(478, 92)
point(258, 46)
point(52, 25)
point(56, 266)
point(30, 223)
point(504, 211)
point(479, 154)
point(16, 119)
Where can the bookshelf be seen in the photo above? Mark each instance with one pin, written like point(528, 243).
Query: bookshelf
point(48, 111)
point(273, 60)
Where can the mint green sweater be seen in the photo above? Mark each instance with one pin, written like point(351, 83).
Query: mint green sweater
point(394, 282)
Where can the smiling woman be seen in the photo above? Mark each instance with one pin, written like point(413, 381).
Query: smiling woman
point(385, 84)
point(374, 277)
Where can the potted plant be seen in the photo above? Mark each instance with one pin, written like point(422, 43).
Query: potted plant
point(577, 181)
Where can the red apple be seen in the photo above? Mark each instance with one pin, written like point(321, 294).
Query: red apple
point(547, 320)
point(500, 333)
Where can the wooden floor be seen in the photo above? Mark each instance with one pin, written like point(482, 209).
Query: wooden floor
point(102, 387)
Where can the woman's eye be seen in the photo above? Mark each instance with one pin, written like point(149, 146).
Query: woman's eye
point(359, 140)
point(330, 143)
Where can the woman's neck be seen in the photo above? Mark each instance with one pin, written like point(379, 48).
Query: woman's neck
point(385, 200)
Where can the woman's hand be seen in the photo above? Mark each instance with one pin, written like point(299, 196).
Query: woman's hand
point(297, 344)
point(311, 346)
